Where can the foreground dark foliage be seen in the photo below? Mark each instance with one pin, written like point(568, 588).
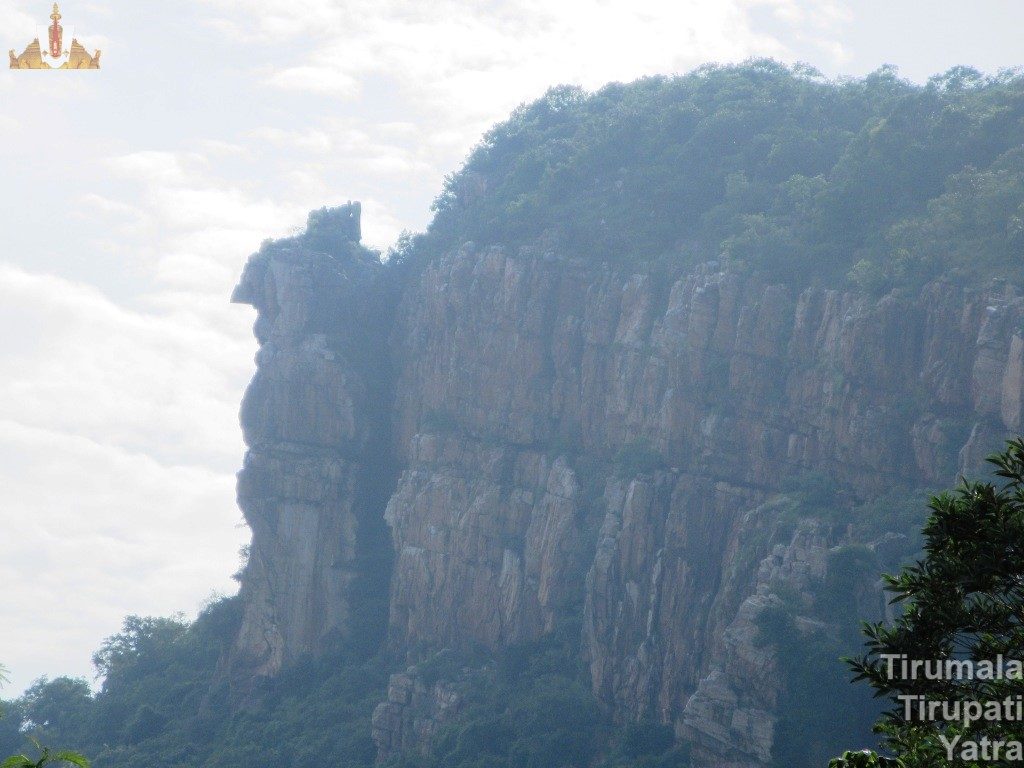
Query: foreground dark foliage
point(963, 601)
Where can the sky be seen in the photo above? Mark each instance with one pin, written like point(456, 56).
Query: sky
point(131, 197)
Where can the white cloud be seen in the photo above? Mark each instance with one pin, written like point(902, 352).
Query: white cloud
point(17, 23)
point(314, 140)
point(119, 438)
point(457, 66)
point(502, 50)
point(221, 148)
point(321, 78)
point(204, 225)
point(80, 364)
point(272, 20)
point(96, 533)
point(156, 167)
point(105, 205)
point(383, 228)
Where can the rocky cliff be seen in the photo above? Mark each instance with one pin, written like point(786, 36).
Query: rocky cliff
point(551, 440)
point(313, 418)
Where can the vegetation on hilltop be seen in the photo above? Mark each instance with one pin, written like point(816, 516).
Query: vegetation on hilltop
point(767, 167)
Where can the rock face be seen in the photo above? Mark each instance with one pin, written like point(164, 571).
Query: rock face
point(310, 419)
point(412, 713)
point(512, 550)
point(573, 437)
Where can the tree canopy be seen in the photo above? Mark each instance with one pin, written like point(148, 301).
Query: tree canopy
point(761, 165)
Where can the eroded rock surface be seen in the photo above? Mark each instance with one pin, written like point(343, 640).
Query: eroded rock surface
point(571, 437)
point(311, 419)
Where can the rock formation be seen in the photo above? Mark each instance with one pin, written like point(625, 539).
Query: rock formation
point(312, 420)
point(566, 437)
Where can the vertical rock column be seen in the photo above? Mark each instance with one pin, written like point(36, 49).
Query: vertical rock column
point(307, 417)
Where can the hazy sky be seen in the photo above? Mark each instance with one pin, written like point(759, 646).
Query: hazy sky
point(132, 196)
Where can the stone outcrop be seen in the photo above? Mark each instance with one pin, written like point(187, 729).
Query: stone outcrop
point(499, 522)
point(310, 419)
point(412, 713)
point(570, 436)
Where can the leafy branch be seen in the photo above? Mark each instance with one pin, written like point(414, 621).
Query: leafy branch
point(46, 757)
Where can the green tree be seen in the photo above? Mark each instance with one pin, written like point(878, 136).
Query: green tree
point(964, 608)
point(864, 759)
point(45, 757)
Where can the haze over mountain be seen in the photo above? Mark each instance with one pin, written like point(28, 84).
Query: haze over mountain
point(133, 197)
point(602, 469)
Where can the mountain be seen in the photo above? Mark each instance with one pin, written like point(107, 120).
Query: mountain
point(604, 467)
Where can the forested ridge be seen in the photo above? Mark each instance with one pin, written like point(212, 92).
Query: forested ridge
point(767, 167)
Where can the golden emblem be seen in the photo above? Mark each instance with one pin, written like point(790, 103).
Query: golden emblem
point(55, 56)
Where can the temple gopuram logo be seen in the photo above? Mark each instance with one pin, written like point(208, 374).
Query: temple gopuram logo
point(55, 55)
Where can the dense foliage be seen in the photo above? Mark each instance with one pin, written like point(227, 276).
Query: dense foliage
point(47, 758)
point(44, 756)
point(164, 705)
point(768, 167)
point(530, 706)
point(864, 758)
point(962, 602)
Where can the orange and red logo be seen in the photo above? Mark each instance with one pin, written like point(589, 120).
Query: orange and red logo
point(56, 55)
